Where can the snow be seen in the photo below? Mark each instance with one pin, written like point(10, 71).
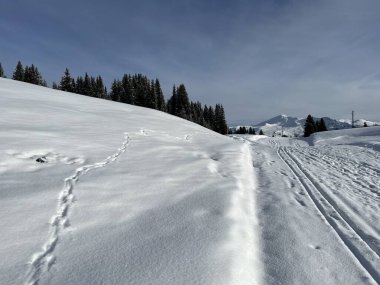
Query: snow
point(129, 195)
point(360, 122)
point(318, 206)
point(294, 127)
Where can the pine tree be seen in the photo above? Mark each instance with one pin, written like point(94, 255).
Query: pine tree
point(2, 74)
point(55, 86)
point(116, 90)
point(321, 126)
point(128, 96)
point(33, 76)
point(151, 99)
point(261, 133)
point(183, 104)
point(172, 102)
point(365, 125)
point(251, 131)
point(159, 96)
point(87, 85)
point(309, 126)
point(220, 120)
point(18, 74)
point(66, 83)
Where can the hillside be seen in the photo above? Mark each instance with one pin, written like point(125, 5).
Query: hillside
point(121, 195)
point(98, 192)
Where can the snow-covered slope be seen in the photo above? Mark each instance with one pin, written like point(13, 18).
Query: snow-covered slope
point(125, 195)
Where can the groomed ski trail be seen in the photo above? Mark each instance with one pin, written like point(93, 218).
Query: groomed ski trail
point(42, 261)
point(364, 254)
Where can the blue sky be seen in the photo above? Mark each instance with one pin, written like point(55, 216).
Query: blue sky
point(258, 58)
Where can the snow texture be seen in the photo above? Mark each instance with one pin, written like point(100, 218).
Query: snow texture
point(121, 195)
point(98, 192)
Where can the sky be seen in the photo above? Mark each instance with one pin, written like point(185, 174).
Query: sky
point(258, 58)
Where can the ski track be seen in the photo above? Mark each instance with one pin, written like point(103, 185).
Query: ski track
point(42, 261)
point(344, 228)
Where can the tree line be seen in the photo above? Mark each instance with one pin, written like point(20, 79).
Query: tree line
point(136, 89)
point(245, 131)
point(312, 126)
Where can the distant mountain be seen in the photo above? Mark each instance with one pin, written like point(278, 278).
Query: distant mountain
point(282, 120)
point(281, 124)
point(360, 122)
point(294, 127)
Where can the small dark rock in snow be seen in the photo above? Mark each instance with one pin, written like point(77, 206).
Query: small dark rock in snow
point(41, 159)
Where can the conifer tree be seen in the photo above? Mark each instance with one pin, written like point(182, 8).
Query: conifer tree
point(309, 126)
point(261, 133)
point(159, 96)
point(321, 126)
point(33, 76)
point(18, 74)
point(128, 95)
point(220, 120)
point(2, 74)
point(66, 83)
point(151, 100)
point(116, 90)
point(183, 104)
point(172, 102)
point(251, 131)
point(54, 86)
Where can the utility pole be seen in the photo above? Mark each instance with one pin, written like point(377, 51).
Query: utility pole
point(353, 119)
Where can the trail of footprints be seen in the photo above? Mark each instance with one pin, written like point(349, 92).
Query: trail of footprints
point(44, 259)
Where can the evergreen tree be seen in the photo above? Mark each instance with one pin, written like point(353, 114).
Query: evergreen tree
point(2, 74)
point(151, 99)
point(66, 83)
point(87, 85)
point(99, 87)
point(172, 102)
point(18, 74)
point(251, 131)
point(33, 76)
point(159, 96)
point(55, 86)
point(309, 126)
point(220, 120)
point(116, 90)
point(261, 133)
point(183, 104)
point(365, 125)
point(128, 95)
point(321, 126)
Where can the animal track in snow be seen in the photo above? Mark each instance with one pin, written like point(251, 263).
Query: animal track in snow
point(42, 261)
point(49, 156)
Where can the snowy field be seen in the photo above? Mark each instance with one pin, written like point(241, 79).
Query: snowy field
point(128, 195)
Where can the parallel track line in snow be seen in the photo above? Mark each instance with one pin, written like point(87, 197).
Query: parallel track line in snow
point(331, 201)
point(364, 254)
point(44, 259)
